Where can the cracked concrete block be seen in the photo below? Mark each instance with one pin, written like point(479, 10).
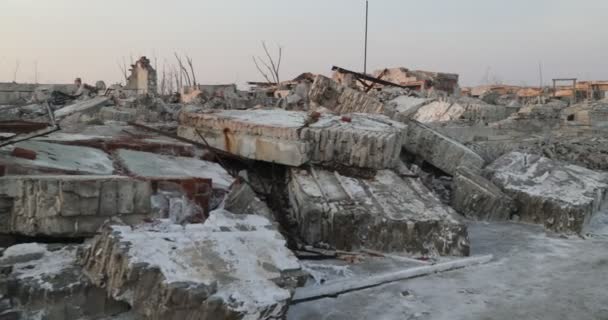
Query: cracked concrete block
point(72, 206)
point(265, 135)
point(478, 198)
point(154, 166)
point(560, 196)
point(230, 267)
point(385, 213)
point(45, 282)
point(86, 106)
point(57, 158)
point(364, 141)
point(292, 138)
point(439, 150)
point(329, 94)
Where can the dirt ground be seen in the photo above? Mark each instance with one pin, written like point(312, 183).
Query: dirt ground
point(534, 275)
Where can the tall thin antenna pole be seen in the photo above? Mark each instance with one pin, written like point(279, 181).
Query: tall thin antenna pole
point(366, 19)
point(540, 71)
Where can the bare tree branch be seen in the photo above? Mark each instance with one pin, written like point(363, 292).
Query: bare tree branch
point(272, 67)
point(189, 60)
point(183, 69)
point(260, 70)
point(16, 71)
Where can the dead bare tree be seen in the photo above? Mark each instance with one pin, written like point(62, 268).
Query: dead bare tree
point(163, 81)
point(122, 65)
point(183, 70)
point(16, 71)
point(273, 68)
point(189, 60)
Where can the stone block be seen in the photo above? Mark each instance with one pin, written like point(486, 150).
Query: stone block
point(385, 213)
point(230, 267)
point(71, 206)
point(441, 151)
point(57, 158)
point(45, 282)
point(478, 198)
point(265, 135)
point(89, 106)
point(560, 196)
point(329, 94)
point(293, 138)
point(155, 166)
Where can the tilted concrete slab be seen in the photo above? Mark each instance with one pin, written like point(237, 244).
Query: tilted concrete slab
point(89, 106)
point(45, 282)
point(439, 150)
point(231, 267)
point(57, 158)
point(71, 206)
point(150, 165)
point(403, 107)
point(560, 196)
point(384, 213)
point(478, 198)
point(329, 94)
point(291, 138)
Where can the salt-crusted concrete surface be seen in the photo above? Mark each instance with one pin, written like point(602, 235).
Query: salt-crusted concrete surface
point(329, 94)
point(86, 106)
point(403, 107)
point(478, 198)
point(365, 141)
point(292, 138)
point(463, 109)
point(534, 275)
point(150, 165)
point(439, 150)
point(231, 267)
point(51, 157)
point(45, 282)
point(70, 206)
point(384, 213)
point(560, 196)
point(266, 135)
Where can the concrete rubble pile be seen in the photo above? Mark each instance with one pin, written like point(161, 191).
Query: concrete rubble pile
point(230, 267)
point(204, 203)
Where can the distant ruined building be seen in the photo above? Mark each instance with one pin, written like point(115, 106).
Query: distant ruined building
point(143, 79)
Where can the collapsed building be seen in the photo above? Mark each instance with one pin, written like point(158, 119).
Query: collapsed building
point(207, 207)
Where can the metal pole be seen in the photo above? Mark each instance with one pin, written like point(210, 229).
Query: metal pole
point(366, 20)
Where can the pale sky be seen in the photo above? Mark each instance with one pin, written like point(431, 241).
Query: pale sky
point(503, 38)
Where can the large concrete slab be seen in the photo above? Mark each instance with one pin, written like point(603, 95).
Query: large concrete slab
point(478, 198)
point(150, 165)
point(45, 282)
point(439, 150)
point(329, 94)
point(403, 107)
point(293, 138)
point(57, 158)
point(89, 106)
point(231, 267)
point(71, 206)
point(560, 196)
point(463, 109)
point(265, 135)
point(384, 213)
point(364, 141)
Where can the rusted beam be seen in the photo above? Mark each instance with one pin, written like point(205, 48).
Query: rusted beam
point(52, 127)
point(372, 79)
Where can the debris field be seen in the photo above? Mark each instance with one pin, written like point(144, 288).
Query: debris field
point(390, 195)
